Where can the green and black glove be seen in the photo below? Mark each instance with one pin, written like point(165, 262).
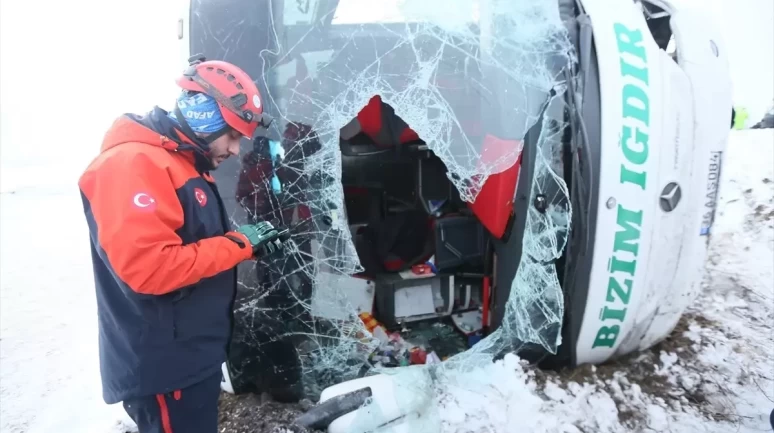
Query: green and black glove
point(264, 238)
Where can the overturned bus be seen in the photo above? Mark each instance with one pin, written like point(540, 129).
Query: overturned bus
point(528, 176)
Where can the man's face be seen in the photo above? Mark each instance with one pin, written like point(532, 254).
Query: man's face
point(224, 147)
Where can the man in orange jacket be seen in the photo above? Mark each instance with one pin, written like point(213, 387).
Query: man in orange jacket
point(164, 253)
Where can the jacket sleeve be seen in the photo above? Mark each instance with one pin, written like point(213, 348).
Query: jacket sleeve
point(136, 212)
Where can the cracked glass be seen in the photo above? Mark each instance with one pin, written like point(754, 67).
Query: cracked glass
point(360, 91)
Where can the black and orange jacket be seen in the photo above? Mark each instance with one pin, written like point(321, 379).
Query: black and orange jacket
point(164, 272)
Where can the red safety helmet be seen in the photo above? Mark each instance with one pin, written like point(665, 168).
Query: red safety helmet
point(237, 95)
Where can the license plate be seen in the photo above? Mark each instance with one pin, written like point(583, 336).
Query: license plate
point(711, 193)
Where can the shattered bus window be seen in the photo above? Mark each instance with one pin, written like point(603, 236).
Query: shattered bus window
point(414, 157)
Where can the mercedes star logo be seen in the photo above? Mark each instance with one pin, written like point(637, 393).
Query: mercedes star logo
point(670, 197)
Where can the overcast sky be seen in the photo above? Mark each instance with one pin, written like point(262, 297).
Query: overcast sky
point(64, 75)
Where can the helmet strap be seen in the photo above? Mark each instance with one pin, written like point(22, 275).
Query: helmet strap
point(215, 135)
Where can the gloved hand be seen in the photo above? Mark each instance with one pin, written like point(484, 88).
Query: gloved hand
point(264, 238)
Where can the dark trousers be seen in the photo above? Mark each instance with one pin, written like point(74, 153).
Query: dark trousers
point(189, 410)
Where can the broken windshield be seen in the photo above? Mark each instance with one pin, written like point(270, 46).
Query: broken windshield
point(355, 86)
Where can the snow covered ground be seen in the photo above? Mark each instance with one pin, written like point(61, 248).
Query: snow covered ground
point(715, 374)
point(49, 372)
